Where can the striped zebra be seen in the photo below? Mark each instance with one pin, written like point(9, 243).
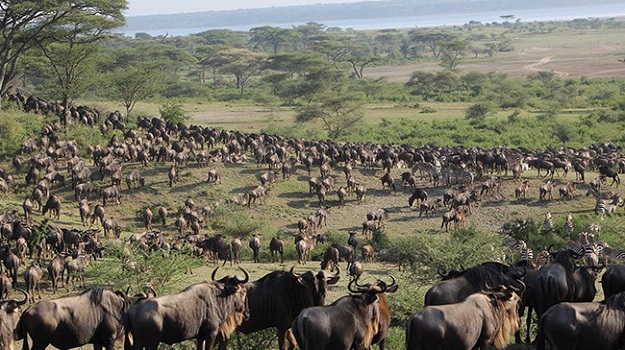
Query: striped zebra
point(519, 247)
point(548, 222)
point(568, 225)
point(542, 258)
point(612, 256)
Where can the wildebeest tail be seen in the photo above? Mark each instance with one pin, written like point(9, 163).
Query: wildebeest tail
point(20, 333)
point(128, 341)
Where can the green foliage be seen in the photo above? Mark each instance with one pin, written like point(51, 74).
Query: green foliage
point(173, 112)
point(124, 267)
point(236, 222)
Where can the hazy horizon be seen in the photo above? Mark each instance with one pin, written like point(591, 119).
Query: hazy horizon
point(154, 7)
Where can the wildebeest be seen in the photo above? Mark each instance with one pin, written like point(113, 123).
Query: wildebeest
point(418, 194)
point(55, 269)
point(355, 269)
point(368, 254)
point(255, 246)
point(11, 262)
point(93, 317)
point(32, 277)
point(259, 193)
point(10, 313)
point(457, 285)
point(111, 224)
point(162, 213)
point(53, 205)
point(584, 325)
point(277, 298)
point(352, 322)
point(330, 258)
point(98, 213)
point(236, 247)
point(111, 192)
point(134, 178)
point(613, 280)
point(484, 319)
point(173, 174)
point(147, 218)
point(276, 246)
point(207, 312)
point(430, 205)
point(214, 176)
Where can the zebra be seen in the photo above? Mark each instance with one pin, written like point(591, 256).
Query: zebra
point(568, 225)
point(548, 222)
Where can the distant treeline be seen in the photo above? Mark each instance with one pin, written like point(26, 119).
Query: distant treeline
point(329, 12)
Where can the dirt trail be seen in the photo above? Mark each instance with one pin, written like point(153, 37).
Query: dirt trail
point(534, 67)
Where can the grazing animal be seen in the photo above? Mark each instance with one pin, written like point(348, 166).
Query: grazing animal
point(255, 246)
point(214, 176)
point(134, 178)
point(93, 317)
point(584, 325)
point(162, 213)
point(53, 205)
point(355, 269)
point(277, 298)
point(111, 192)
point(147, 218)
point(207, 312)
point(545, 191)
point(430, 205)
point(388, 180)
point(368, 254)
point(482, 320)
point(173, 175)
point(354, 321)
point(361, 192)
point(10, 314)
point(419, 194)
point(520, 191)
point(236, 246)
point(276, 246)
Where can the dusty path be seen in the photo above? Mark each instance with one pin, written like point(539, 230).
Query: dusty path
point(534, 67)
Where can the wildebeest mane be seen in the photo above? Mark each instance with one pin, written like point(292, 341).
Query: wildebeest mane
point(484, 278)
point(616, 301)
point(96, 293)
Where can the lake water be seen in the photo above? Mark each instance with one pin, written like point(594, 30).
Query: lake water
point(554, 14)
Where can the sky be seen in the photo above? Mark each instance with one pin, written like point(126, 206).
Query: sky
point(152, 7)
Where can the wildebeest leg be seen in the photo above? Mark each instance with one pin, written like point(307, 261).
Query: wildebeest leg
point(528, 323)
point(288, 336)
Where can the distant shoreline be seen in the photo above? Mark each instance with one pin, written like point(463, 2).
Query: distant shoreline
point(171, 26)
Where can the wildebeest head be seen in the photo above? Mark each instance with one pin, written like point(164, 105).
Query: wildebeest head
point(231, 283)
point(9, 316)
point(370, 291)
point(316, 285)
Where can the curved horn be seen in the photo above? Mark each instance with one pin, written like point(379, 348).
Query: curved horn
point(247, 277)
point(292, 272)
point(127, 290)
point(19, 302)
point(338, 271)
point(462, 268)
point(214, 273)
point(549, 249)
point(393, 281)
point(518, 290)
point(443, 273)
point(153, 291)
point(349, 286)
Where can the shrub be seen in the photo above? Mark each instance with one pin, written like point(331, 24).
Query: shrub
point(173, 112)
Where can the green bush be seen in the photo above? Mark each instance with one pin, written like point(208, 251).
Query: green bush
point(173, 112)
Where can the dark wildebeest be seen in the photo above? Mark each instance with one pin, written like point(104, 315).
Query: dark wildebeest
point(484, 319)
point(355, 269)
point(606, 171)
point(28, 206)
point(11, 263)
point(330, 257)
point(368, 253)
point(5, 286)
point(387, 180)
point(207, 312)
point(10, 313)
point(236, 247)
point(278, 297)
point(613, 280)
point(584, 325)
point(276, 246)
point(85, 211)
point(53, 205)
point(418, 194)
point(111, 192)
point(255, 246)
point(214, 176)
point(32, 277)
point(173, 174)
point(162, 213)
point(84, 189)
point(93, 317)
point(147, 218)
point(134, 178)
point(353, 321)
point(457, 285)
point(98, 213)
point(55, 270)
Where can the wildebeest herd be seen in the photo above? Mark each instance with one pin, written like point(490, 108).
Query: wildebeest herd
point(491, 297)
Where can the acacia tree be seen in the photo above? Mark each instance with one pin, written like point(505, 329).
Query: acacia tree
point(243, 63)
point(25, 24)
point(451, 52)
point(272, 39)
point(338, 111)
